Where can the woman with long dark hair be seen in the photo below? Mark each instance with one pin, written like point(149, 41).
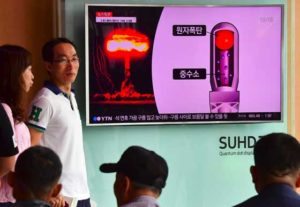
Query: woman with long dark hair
point(16, 79)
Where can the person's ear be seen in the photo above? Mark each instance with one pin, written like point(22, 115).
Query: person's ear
point(256, 178)
point(122, 189)
point(48, 66)
point(11, 179)
point(56, 190)
point(254, 174)
point(127, 184)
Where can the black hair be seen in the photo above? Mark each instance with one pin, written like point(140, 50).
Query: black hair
point(277, 154)
point(47, 50)
point(37, 170)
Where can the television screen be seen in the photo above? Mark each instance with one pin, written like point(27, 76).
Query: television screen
point(183, 64)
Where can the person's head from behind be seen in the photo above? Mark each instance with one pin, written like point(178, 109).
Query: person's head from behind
point(16, 77)
point(36, 175)
point(277, 160)
point(61, 60)
point(138, 172)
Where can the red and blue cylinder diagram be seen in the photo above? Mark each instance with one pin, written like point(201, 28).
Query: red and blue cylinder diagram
point(224, 69)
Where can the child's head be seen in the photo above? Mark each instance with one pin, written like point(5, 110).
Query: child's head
point(36, 175)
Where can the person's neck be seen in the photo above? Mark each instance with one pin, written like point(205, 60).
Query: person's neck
point(142, 192)
point(24, 196)
point(66, 88)
point(136, 194)
point(286, 180)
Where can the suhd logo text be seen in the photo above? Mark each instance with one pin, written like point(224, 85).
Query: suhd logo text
point(237, 142)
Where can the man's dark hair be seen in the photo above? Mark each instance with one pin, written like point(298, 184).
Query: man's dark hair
point(37, 170)
point(47, 50)
point(277, 154)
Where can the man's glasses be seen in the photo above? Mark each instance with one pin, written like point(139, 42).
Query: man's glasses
point(65, 61)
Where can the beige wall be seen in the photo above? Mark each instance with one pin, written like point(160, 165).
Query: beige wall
point(296, 44)
point(290, 67)
point(293, 72)
point(29, 23)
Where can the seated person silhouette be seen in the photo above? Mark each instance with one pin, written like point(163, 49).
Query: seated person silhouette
point(140, 176)
point(36, 177)
point(276, 173)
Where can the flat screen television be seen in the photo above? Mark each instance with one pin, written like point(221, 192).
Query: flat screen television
point(183, 64)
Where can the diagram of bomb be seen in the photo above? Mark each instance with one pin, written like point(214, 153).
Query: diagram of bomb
point(224, 65)
point(130, 44)
point(224, 69)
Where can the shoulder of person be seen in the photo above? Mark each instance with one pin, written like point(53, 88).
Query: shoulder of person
point(9, 113)
point(43, 97)
point(7, 109)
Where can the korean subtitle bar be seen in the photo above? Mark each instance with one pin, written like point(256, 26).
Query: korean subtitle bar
point(198, 117)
